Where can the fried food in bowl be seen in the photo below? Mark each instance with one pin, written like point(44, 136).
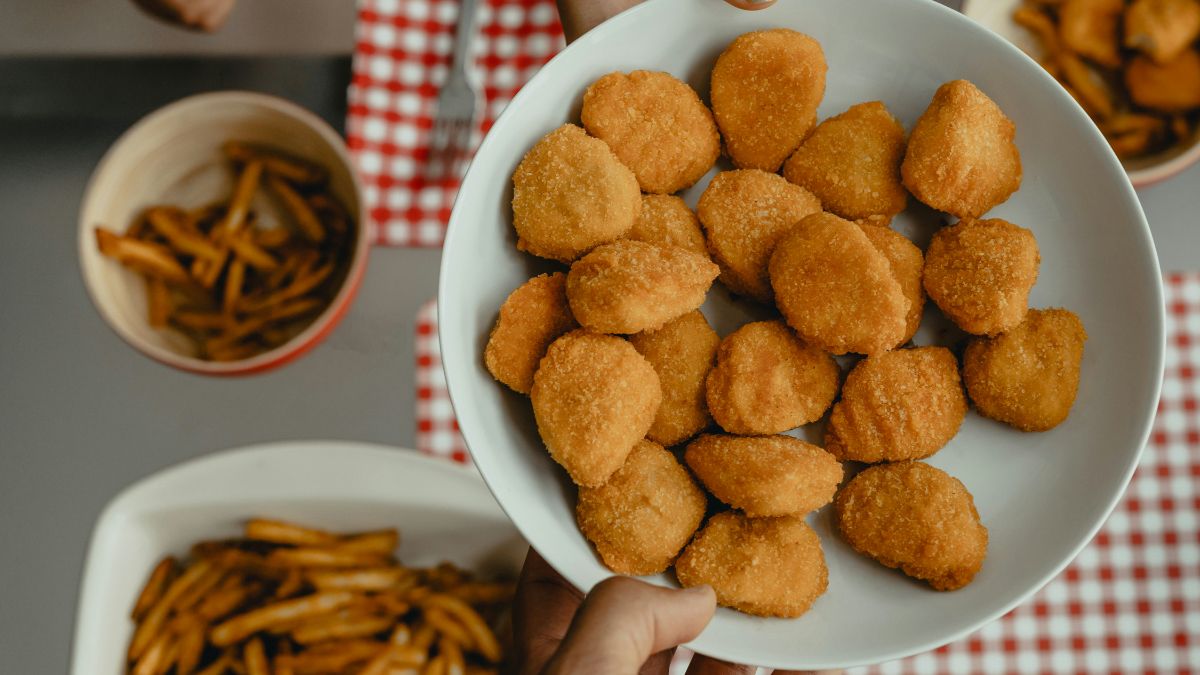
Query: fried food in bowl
point(533, 316)
point(682, 352)
point(765, 475)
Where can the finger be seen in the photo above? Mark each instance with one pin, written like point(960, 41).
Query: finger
point(580, 16)
point(703, 665)
point(544, 606)
point(623, 621)
point(751, 4)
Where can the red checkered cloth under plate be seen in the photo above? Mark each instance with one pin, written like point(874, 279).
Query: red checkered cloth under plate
point(401, 57)
point(1130, 603)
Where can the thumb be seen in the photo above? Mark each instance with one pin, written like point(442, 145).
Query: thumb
point(623, 621)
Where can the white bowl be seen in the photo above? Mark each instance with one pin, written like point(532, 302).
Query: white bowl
point(444, 512)
point(1042, 496)
point(173, 155)
point(996, 15)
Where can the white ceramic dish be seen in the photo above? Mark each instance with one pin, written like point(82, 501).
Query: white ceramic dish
point(173, 156)
point(996, 15)
point(444, 512)
point(1042, 496)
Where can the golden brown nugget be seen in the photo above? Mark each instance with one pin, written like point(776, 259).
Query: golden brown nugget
point(1028, 376)
point(908, 267)
point(644, 515)
point(1172, 87)
point(766, 87)
point(961, 157)
point(533, 316)
point(656, 125)
point(666, 220)
point(980, 272)
point(836, 289)
point(765, 475)
point(851, 162)
point(594, 397)
point(914, 517)
point(571, 194)
point(682, 353)
point(631, 286)
point(768, 381)
point(745, 213)
point(899, 405)
point(760, 566)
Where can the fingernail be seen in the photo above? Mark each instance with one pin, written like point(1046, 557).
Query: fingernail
point(703, 589)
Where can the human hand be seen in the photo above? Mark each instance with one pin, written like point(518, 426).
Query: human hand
point(580, 16)
point(204, 15)
point(624, 626)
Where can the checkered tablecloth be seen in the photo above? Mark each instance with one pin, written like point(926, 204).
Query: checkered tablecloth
point(401, 56)
point(1130, 602)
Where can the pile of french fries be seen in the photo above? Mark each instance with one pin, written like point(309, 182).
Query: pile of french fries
point(1131, 64)
point(217, 275)
point(292, 600)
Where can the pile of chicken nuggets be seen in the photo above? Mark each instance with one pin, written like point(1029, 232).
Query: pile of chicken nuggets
point(675, 435)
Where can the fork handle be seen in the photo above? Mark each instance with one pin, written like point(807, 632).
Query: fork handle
point(464, 33)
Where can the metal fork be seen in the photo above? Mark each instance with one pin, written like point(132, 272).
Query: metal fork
point(457, 104)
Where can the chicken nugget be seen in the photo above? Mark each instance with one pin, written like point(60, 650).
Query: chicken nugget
point(1173, 87)
point(1163, 29)
point(571, 194)
point(657, 126)
point(767, 380)
point(961, 157)
point(760, 566)
point(593, 397)
point(682, 352)
point(899, 405)
point(908, 266)
point(644, 514)
point(1090, 28)
point(765, 475)
point(745, 213)
point(766, 87)
point(1028, 376)
point(630, 286)
point(851, 162)
point(980, 272)
point(533, 316)
point(836, 289)
point(914, 517)
point(666, 220)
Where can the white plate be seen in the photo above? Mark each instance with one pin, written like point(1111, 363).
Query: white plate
point(1042, 496)
point(996, 15)
point(444, 512)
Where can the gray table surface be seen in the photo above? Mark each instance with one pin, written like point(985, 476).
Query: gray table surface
point(82, 415)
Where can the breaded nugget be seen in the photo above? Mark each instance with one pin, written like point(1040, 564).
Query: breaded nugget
point(644, 515)
point(666, 220)
point(744, 214)
point(767, 380)
point(1028, 376)
point(631, 286)
point(657, 126)
point(761, 566)
point(836, 289)
point(851, 162)
point(570, 194)
point(682, 352)
point(532, 317)
point(765, 475)
point(914, 517)
point(766, 87)
point(593, 397)
point(980, 272)
point(961, 157)
point(908, 266)
point(1172, 87)
point(899, 405)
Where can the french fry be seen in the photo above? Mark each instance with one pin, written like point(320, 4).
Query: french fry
point(478, 593)
point(158, 301)
point(448, 627)
point(242, 626)
point(381, 542)
point(282, 665)
point(298, 209)
point(151, 626)
point(1124, 123)
point(219, 665)
point(1085, 83)
point(191, 648)
point(423, 637)
point(154, 587)
point(255, 657)
point(193, 595)
point(174, 229)
point(301, 285)
point(233, 352)
point(154, 660)
point(289, 168)
point(321, 557)
point(281, 532)
point(152, 259)
point(234, 280)
point(243, 193)
point(272, 238)
point(251, 253)
point(335, 215)
point(453, 656)
point(335, 656)
point(483, 640)
point(341, 627)
point(1131, 144)
point(226, 599)
point(402, 635)
point(291, 584)
point(371, 579)
point(435, 666)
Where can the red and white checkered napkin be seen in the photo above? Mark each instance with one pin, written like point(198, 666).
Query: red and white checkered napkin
point(1130, 602)
point(401, 57)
